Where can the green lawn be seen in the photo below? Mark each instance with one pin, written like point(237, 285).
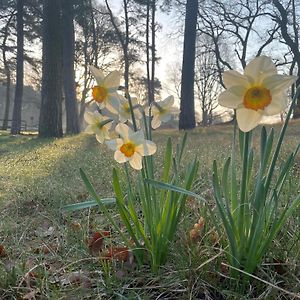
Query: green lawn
point(39, 176)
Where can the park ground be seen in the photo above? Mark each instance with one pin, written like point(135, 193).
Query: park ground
point(46, 253)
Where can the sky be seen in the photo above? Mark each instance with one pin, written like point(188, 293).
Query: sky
point(169, 48)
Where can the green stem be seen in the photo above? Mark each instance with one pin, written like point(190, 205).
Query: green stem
point(280, 139)
point(243, 195)
point(131, 111)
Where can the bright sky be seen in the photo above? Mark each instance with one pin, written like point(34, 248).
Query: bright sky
point(169, 49)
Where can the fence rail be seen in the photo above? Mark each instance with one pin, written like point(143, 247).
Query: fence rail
point(9, 122)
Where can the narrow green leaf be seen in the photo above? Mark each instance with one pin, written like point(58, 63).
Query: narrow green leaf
point(167, 160)
point(166, 186)
point(88, 204)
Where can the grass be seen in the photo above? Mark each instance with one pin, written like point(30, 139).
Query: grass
point(46, 251)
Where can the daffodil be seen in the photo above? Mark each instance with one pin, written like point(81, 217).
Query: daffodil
point(161, 111)
point(259, 92)
point(98, 124)
point(105, 92)
point(131, 146)
point(124, 109)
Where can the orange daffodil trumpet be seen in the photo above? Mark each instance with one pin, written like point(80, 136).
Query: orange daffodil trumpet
point(259, 92)
point(105, 92)
point(98, 124)
point(131, 146)
point(161, 111)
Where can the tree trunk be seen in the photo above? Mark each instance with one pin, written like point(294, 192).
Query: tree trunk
point(153, 54)
point(187, 105)
point(17, 111)
point(7, 74)
point(50, 122)
point(291, 42)
point(68, 67)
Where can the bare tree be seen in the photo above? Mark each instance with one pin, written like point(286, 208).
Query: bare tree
point(68, 67)
point(207, 84)
point(238, 23)
point(50, 122)
point(287, 20)
point(17, 111)
point(187, 105)
point(7, 67)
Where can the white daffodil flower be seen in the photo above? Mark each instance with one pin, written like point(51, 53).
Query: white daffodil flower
point(161, 111)
point(131, 146)
point(124, 109)
point(98, 124)
point(259, 92)
point(105, 92)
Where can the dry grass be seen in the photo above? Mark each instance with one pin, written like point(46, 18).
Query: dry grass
point(44, 247)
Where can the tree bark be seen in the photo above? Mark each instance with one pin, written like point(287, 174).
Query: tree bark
point(68, 67)
point(50, 122)
point(17, 110)
point(187, 105)
point(7, 74)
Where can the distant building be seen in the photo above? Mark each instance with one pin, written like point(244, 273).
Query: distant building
point(30, 105)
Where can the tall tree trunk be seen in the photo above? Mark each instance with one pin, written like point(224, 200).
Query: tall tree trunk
point(17, 111)
point(148, 52)
point(153, 54)
point(125, 48)
point(187, 105)
point(50, 122)
point(68, 67)
point(7, 74)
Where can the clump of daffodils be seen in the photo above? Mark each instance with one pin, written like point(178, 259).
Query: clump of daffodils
point(259, 92)
point(116, 120)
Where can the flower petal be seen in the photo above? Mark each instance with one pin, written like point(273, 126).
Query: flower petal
point(166, 103)
point(279, 83)
point(100, 138)
point(232, 97)
point(98, 74)
point(233, 78)
point(146, 148)
point(156, 122)
point(112, 103)
point(136, 161)
point(114, 144)
point(124, 131)
point(112, 80)
point(166, 117)
point(247, 119)
point(89, 129)
point(278, 104)
point(120, 157)
point(137, 137)
point(89, 117)
point(260, 67)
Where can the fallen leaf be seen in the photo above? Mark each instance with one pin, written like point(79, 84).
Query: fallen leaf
point(2, 251)
point(76, 226)
point(118, 253)
point(96, 242)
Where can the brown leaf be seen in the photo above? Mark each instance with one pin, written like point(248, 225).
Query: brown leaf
point(96, 242)
point(2, 251)
point(118, 253)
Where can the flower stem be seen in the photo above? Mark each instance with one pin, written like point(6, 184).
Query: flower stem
point(280, 139)
point(243, 195)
